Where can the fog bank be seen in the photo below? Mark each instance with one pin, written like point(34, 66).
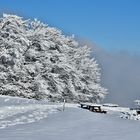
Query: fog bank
point(120, 74)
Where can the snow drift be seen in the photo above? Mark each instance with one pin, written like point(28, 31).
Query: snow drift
point(38, 61)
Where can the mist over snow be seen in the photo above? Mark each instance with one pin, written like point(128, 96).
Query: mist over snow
point(120, 74)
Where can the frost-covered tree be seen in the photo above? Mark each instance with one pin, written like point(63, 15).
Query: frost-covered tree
point(38, 61)
point(137, 103)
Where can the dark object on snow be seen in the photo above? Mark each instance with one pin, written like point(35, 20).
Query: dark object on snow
point(138, 112)
point(93, 107)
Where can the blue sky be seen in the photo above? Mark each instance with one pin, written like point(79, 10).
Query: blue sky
point(112, 24)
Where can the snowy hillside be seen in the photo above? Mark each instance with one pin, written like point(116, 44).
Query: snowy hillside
point(22, 119)
point(38, 61)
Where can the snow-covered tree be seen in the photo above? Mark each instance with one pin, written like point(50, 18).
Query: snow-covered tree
point(137, 103)
point(38, 61)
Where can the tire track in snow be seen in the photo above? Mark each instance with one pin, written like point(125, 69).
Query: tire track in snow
point(23, 114)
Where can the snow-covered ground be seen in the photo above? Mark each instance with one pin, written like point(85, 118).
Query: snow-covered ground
point(22, 119)
point(14, 111)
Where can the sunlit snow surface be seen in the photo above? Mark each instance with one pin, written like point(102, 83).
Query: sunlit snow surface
point(14, 111)
point(22, 119)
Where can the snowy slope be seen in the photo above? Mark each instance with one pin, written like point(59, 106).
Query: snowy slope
point(14, 111)
point(32, 120)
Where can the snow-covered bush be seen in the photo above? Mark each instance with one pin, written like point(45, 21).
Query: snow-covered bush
point(131, 115)
point(37, 61)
